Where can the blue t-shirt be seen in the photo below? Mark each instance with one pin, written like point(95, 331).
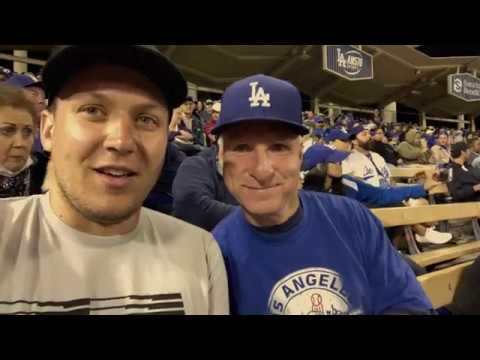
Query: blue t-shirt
point(336, 260)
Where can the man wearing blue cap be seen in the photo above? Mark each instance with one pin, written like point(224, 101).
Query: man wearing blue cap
point(88, 246)
point(338, 139)
point(289, 251)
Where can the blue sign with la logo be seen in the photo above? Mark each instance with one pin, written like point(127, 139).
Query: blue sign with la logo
point(464, 86)
point(348, 62)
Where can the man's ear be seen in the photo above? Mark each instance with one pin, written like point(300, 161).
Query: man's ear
point(47, 128)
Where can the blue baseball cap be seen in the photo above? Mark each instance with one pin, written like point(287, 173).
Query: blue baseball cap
point(261, 98)
point(23, 81)
point(336, 134)
point(357, 129)
point(319, 154)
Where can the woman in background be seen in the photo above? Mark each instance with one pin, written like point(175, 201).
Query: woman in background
point(21, 172)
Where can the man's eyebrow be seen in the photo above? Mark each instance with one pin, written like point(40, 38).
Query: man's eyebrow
point(149, 106)
point(94, 94)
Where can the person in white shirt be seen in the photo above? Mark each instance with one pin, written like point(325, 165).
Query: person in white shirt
point(88, 246)
point(363, 163)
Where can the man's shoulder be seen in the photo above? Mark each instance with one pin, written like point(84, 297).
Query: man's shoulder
point(377, 156)
point(16, 208)
point(228, 225)
point(173, 227)
point(332, 204)
point(20, 202)
point(354, 157)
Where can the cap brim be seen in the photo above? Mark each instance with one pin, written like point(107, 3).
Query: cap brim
point(337, 156)
point(297, 128)
point(68, 60)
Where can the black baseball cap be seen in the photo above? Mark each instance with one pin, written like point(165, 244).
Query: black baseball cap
point(68, 60)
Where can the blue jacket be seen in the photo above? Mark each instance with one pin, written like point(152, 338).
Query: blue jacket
point(200, 195)
point(160, 197)
point(377, 197)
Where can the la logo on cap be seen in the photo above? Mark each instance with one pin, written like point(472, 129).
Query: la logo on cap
point(258, 96)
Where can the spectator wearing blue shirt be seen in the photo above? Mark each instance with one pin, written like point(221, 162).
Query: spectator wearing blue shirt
point(289, 251)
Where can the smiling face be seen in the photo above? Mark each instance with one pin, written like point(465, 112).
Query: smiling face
point(261, 166)
point(107, 135)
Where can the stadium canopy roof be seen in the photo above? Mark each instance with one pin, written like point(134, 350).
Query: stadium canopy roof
point(402, 73)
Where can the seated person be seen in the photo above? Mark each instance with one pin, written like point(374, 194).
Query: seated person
point(464, 184)
point(441, 151)
point(325, 175)
point(325, 169)
point(297, 252)
point(381, 146)
point(200, 196)
point(211, 122)
point(187, 129)
point(338, 139)
point(160, 197)
point(411, 150)
point(474, 158)
point(363, 163)
point(21, 172)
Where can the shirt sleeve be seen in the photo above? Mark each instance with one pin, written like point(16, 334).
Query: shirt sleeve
point(218, 286)
point(366, 193)
point(194, 196)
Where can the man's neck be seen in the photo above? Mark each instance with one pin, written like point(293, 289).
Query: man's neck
point(459, 161)
point(269, 220)
point(362, 150)
point(70, 216)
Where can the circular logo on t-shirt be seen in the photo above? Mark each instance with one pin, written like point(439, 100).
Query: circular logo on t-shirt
point(312, 291)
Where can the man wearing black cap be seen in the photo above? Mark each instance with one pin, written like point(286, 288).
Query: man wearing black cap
point(291, 252)
point(464, 184)
point(88, 246)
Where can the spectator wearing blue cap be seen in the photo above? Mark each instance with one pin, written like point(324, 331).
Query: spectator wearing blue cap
point(363, 163)
point(289, 251)
point(338, 139)
point(323, 167)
